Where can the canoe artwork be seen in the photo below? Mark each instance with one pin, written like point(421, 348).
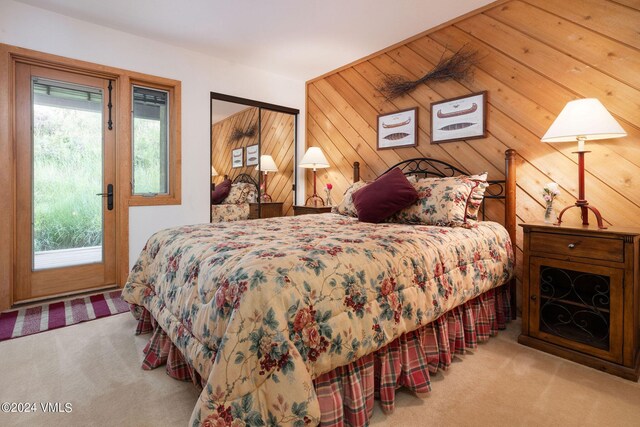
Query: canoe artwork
point(457, 113)
point(456, 126)
point(396, 136)
point(252, 155)
point(398, 129)
point(459, 118)
point(396, 125)
point(236, 158)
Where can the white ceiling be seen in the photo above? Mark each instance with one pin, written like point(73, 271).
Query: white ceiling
point(301, 39)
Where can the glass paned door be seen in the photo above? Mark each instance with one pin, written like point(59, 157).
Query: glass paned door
point(67, 174)
point(65, 181)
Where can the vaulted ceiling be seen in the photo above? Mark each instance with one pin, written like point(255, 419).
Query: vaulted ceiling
point(296, 38)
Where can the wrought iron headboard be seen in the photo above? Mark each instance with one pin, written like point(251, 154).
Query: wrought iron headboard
point(426, 167)
point(243, 177)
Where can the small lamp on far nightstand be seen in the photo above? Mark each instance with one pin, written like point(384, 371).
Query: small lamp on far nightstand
point(213, 174)
point(266, 165)
point(314, 159)
point(582, 120)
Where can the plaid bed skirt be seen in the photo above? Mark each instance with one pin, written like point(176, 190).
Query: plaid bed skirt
point(161, 351)
point(346, 394)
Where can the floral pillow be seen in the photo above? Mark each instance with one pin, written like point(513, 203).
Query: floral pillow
point(452, 201)
point(346, 206)
point(477, 196)
point(241, 192)
point(252, 194)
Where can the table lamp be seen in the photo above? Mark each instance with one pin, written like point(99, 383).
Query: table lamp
point(266, 165)
point(314, 159)
point(582, 120)
point(213, 173)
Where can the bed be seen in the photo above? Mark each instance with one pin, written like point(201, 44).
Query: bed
point(235, 207)
point(304, 320)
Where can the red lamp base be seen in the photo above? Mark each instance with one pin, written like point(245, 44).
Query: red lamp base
point(582, 202)
point(585, 208)
point(314, 200)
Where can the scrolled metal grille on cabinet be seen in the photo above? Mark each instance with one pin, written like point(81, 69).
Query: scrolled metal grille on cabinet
point(575, 305)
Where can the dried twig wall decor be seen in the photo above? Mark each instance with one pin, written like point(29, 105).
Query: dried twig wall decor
point(457, 66)
point(238, 133)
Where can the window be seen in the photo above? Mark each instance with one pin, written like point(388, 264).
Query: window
point(150, 141)
point(155, 144)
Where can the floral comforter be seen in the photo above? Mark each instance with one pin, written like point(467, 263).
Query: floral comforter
point(229, 212)
point(261, 308)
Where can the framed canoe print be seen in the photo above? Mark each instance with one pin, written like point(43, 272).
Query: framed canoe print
point(398, 130)
point(459, 118)
point(236, 158)
point(252, 155)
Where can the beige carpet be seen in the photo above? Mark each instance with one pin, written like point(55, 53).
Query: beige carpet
point(95, 366)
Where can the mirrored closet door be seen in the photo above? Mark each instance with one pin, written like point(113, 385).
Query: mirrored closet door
point(253, 146)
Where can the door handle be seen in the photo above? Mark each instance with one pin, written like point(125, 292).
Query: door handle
point(109, 196)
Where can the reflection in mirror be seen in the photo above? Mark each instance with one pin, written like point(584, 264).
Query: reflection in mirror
point(234, 141)
point(243, 133)
point(278, 141)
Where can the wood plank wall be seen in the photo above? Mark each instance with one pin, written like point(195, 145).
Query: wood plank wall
point(277, 132)
point(535, 56)
point(222, 146)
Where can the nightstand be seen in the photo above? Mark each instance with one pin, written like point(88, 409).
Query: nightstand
point(267, 210)
point(306, 210)
point(580, 296)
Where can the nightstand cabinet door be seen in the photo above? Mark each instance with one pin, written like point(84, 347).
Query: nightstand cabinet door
point(577, 305)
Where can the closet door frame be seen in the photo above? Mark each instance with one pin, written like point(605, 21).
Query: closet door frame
point(260, 105)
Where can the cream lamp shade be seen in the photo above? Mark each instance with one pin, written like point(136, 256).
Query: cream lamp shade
point(267, 164)
point(213, 171)
point(314, 159)
point(581, 120)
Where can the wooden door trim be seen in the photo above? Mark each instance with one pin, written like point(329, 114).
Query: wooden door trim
point(7, 183)
point(9, 57)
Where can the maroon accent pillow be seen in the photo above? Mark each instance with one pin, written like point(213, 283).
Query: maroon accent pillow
point(220, 192)
point(383, 197)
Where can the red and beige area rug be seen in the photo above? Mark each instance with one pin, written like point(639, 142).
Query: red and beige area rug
point(31, 320)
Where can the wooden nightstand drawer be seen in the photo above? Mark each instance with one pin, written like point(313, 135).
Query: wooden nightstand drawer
point(578, 246)
point(308, 210)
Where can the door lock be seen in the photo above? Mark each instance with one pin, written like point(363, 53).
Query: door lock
point(109, 196)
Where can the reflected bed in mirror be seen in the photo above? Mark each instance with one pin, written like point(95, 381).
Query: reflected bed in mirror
point(233, 200)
